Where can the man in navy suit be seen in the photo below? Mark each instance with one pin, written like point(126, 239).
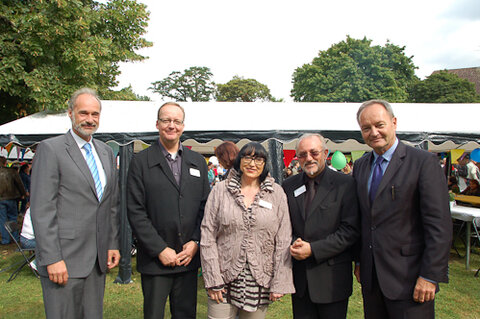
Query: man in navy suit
point(406, 227)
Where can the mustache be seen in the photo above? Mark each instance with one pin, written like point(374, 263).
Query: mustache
point(90, 124)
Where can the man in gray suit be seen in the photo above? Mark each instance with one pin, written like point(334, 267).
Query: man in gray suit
point(74, 214)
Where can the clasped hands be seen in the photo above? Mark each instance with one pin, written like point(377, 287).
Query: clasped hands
point(169, 257)
point(300, 249)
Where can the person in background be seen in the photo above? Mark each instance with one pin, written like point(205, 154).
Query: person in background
point(347, 170)
point(473, 172)
point(211, 174)
point(295, 167)
point(226, 154)
point(25, 177)
point(472, 189)
point(27, 236)
point(453, 184)
point(246, 235)
point(11, 190)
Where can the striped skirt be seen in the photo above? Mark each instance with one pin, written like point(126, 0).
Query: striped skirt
point(244, 292)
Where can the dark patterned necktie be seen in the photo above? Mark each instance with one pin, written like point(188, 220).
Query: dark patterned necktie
point(310, 193)
point(376, 177)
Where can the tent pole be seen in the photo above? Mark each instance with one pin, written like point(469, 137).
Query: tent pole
point(275, 150)
point(125, 267)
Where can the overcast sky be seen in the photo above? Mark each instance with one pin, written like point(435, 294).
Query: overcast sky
point(268, 39)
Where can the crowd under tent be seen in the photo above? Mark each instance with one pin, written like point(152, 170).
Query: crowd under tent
point(129, 126)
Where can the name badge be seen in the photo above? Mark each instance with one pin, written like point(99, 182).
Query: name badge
point(299, 191)
point(265, 204)
point(194, 172)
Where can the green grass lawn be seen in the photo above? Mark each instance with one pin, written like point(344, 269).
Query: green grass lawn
point(22, 298)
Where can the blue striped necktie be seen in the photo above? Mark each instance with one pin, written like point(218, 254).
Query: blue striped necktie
point(93, 169)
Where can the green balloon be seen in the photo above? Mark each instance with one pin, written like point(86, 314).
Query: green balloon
point(338, 160)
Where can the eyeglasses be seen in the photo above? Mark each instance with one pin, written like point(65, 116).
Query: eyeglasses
point(257, 160)
point(168, 121)
point(312, 154)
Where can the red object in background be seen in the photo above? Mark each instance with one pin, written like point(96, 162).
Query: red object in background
point(288, 156)
point(189, 147)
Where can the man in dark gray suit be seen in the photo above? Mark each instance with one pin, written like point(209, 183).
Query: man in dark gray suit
point(406, 224)
point(167, 191)
point(74, 214)
point(325, 223)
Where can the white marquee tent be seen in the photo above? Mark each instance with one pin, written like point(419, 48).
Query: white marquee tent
point(438, 127)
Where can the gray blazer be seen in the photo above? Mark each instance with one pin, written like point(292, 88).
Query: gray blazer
point(69, 222)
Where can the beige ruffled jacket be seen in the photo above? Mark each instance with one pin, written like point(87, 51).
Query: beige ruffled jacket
point(230, 236)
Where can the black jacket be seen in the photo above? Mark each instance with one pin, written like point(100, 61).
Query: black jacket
point(161, 213)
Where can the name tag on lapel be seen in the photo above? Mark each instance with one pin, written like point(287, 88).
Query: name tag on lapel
point(299, 191)
point(265, 204)
point(194, 172)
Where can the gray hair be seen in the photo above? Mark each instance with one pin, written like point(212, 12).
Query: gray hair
point(170, 103)
point(77, 93)
point(366, 104)
point(308, 135)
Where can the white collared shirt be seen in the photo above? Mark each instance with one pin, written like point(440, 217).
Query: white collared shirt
point(81, 142)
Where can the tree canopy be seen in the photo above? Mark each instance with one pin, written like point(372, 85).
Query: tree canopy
point(194, 84)
point(52, 48)
point(444, 87)
point(355, 71)
point(239, 89)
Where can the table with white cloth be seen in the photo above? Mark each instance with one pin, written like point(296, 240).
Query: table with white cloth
point(466, 214)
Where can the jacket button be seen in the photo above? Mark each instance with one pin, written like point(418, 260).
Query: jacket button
point(370, 246)
point(373, 227)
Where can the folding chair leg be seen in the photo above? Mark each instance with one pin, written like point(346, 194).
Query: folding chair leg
point(15, 273)
point(476, 274)
point(457, 236)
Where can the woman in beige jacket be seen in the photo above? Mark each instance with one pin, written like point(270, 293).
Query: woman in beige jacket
point(246, 234)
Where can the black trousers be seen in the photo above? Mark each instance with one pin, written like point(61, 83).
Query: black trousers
point(377, 306)
point(181, 288)
point(304, 308)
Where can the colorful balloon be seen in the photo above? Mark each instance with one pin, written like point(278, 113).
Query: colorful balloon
point(338, 160)
point(475, 155)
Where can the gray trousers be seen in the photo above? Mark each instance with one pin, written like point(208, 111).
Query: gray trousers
point(80, 298)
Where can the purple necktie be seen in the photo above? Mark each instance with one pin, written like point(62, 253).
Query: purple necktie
point(376, 177)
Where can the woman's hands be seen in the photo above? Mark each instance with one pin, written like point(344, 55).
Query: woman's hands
point(216, 295)
point(275, 297)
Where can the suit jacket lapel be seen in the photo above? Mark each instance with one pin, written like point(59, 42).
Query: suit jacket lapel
point(106, 164)
point(364, 170)
point(322, 191)
point(300, 199)
point(77, 157)
point(156, 157)
point(187, 163)
point(393, 167)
